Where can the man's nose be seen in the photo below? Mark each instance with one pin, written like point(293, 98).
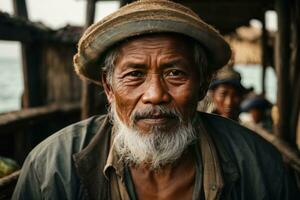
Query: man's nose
point(228, 101)
point(156, 91)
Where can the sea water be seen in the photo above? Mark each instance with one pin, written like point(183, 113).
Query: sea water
point(11, 82)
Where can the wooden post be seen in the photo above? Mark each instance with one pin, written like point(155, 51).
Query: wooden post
point(282, 68)
point(264, 38)
point(32, 95)
point(20, 9)
point(31, 55)
point(88, 88)
point(295, 68)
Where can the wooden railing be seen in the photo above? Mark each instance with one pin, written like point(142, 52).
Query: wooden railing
point(22, 124)
point(20, 131)
point(26, 118)
point(7, 185)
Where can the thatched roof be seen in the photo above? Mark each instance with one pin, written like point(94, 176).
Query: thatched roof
point(246, 45)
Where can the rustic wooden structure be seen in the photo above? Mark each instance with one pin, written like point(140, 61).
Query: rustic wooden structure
point(53, 93)
point(48, 79)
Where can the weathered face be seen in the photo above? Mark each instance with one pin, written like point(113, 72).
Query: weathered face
point(227, 100)
point(150, 71)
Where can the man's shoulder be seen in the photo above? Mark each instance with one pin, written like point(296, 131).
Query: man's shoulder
point(254, 159)
point(236, 138)
point(228, 129)
point(70, 139)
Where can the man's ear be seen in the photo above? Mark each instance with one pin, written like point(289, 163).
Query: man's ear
point(107, 87)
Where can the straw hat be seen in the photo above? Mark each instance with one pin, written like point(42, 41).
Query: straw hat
point(144, 17)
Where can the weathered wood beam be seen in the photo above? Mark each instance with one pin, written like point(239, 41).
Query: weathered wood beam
point(88, 88)
point(282, 68)
point(14, 28)
point(13, 121)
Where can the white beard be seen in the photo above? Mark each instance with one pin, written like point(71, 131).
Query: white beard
point(155, 149)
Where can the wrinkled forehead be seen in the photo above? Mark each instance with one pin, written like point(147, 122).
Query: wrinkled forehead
point(160, 40)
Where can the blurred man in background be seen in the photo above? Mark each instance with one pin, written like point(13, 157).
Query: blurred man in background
point(227, 93)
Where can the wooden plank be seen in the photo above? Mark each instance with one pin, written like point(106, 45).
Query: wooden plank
point(29, 117)
point(26, 128)
point(18, 29)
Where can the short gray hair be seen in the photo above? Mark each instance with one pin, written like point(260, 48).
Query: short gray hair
point(200, 60)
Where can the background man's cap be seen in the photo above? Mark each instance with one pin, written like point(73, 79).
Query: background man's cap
point(229, 76)
point(257, 102)
point(145, 17)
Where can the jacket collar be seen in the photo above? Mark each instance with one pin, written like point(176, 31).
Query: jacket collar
point(230, 171)
point(89, 164)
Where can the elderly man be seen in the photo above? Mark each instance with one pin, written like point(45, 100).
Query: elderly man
point(155, 60)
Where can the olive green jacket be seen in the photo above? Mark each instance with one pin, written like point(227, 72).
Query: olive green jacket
point(69, 164)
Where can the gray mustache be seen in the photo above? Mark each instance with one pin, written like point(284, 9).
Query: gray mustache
point(153, 112)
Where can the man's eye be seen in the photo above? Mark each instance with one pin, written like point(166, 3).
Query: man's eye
point(176, 73)
point(136, 74)
point(223, 94)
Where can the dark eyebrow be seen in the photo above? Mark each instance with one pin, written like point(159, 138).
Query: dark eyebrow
point(172, 63)
point(136, 65)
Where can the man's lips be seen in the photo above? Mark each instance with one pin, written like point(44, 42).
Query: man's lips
point(156, 119)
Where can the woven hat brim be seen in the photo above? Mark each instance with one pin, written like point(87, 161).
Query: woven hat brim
point(103, 35)
point(234, 82)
